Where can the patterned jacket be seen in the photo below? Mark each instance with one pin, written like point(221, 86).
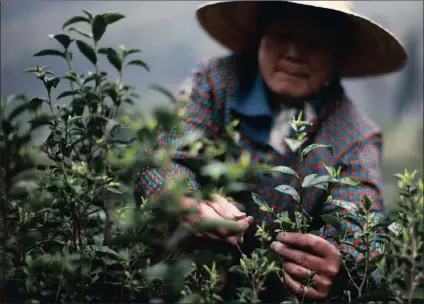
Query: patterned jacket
point(214, 87)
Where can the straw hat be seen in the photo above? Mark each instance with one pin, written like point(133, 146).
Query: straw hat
point(376, 50)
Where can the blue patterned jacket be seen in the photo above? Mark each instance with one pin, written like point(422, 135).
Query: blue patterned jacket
point(213, 90)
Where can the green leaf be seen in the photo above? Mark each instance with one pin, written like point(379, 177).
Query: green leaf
point(103, 51)
point(261, 203)
point(294, 144)
point(41, 120)
point(351, 207)
point(98, 27)
point(316, 146)
point(379, 237)
point(140, 63)
point(103, 249)
point(330, 170)
point(285, 170)
point(17, 111)
point(35, 103)
point(89, 14)
point(81, 32)
point(315, 180)
point(332, 220)
point(114, 59)
point(51, 82)
point(131, 51)
point(67, 93)
point(367, 202)
point(87, 50)
point(288, 190)
point(349, 181)
point(75, 19)
point(49, 52)
point(163, 91)
point(63, 39)
point(112, 17)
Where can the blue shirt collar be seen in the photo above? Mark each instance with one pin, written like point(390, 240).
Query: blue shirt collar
point(255, 103)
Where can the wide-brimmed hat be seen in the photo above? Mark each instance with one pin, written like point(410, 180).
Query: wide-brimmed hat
point(376, 51)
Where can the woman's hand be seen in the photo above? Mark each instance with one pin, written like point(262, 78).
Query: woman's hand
point(302, 254)
point(218, 209)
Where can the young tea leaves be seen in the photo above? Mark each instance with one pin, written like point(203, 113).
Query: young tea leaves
point(289, 190)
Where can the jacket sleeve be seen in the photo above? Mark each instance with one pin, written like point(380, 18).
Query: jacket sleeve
point(362, 162)
point(194, 99)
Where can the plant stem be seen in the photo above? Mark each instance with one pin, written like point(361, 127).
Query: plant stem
point(107, 226)
point(413, 266)
point(350, 276)
point(367, 254)
point(58, 289)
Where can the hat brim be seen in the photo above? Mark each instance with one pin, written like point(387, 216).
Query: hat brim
point(375, 51)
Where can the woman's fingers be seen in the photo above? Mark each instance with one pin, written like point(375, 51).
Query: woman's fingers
point(219, 209)
point(301, 274)
point(225, 209)
point(297, 288)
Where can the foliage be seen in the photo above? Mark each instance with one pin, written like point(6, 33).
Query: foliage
point(71, 231)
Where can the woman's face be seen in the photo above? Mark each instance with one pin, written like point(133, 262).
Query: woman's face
point(295, 56)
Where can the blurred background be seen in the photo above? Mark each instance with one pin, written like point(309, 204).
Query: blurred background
point(173, 42)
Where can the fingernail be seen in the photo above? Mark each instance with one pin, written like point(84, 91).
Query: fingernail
point(240, 217)
point(239, 214)
point(250, 219)
point(275, 245)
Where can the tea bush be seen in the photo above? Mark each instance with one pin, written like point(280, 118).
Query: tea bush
point(71, 230)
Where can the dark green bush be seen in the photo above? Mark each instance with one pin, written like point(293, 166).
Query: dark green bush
point(71, 231)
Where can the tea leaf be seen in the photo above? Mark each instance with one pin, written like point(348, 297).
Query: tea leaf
point(89, 14)
point(331, 219)
point(163, 91)
point(316, 146)
point(294, 144)
point(81, 32)
point(285, 170)
point(68, 93)
point(140, 63)
point(315, 180)
point(63, 39)
point(41, 120)
point(75, 19)
point(350, 182)
point(113, 58)
point(131, 51)
point(367, 203)
point(98, 27)
point(87, 51)
point(35, 103)
point(351, 207)
point(112, 17)
point(288, 190)
point(261, 203)
point(17, 111)
point(49, 52)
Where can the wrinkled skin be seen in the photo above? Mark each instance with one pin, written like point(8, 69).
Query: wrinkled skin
point(295, 57)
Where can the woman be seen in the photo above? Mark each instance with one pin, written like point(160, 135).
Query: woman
point(288, 56)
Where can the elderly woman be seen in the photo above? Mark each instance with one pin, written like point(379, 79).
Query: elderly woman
point(288, 56)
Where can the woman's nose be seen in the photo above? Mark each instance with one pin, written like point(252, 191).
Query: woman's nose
point(293, 52)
